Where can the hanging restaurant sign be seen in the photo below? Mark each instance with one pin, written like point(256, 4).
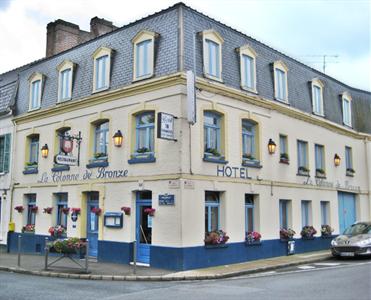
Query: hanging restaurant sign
point(165, 126)
point(65, 157)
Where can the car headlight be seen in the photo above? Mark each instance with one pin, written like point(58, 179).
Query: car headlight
point(365, 242)
point(334, 243)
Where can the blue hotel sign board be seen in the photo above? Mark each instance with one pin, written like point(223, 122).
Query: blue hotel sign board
point(166, 199)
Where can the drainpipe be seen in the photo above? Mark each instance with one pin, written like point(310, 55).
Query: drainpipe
point(368, 170)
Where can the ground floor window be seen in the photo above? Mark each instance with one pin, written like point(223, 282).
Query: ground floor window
point(31, 212)
point(284, 214)
point(305, 213)
point(249, 212)
point(62, 202)
point(325, 213)
point(212, 211)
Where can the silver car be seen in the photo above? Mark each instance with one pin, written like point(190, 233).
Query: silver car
point(355, 241)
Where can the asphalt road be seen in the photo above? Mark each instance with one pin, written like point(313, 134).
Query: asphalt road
point(326, 280)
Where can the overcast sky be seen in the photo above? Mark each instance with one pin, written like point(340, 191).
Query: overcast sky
point(303, 29)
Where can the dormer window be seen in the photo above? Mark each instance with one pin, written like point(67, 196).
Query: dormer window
point(36, 82)
point(65, 70)
point(280, 81)
point(248, 68)
point(144, 54)
point(347, 109)
point(102, 69)
point(317, 97)
point(212, 54)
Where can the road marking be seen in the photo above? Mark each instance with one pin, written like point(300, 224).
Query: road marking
point(306, 267)
point(327, 264)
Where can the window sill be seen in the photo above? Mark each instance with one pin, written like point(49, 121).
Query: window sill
point(142, 159)
point(61, 101)
point(60, 168)
point(327, 236)
point(217, 79)
point(34, 109)
point(349, 174)
point(307, 238)
point(217, 246)
point(283, 101)
point(284, 161)
point(252, 163)
point(215, 159)
point(100, 90)
point(246, 89)
point(318, 114)
point(320, 176)
point(97, 164)
point(303, 173)
point(143, 78)
point(33, 170)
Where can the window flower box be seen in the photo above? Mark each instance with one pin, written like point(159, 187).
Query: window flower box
point(304, 171)
point(250, 161)
point(150, 211)
point(216, 238)
point(48, 210)
point(350, 172)
point(57, 231)
point(287, 234)
point(253, 238)
point(320, 173)
point(284, 158)
point(19, 208)
point(29, 228)
point(126, 210)
point(326, 231)
point(68, 246)
point(96, 210)
point(308, 232)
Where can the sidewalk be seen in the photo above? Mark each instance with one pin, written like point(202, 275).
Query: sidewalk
point(34, 264)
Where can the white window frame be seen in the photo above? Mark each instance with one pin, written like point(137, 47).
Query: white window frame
point(33, 79)
point(64, 66)
point(139, 38)
point(280, 66)
point(249, 52)
point(316, 83)
point(101, 52)
point(346, 98)
point(213, 36)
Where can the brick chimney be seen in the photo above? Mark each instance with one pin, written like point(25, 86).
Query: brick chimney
point(100, 26)
point(62, 35)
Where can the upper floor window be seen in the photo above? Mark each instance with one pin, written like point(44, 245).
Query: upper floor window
point(212, 54)
point(212, 211)
point(317, 97)
point(280, 81)
point(349, 161)
point(319, 152)
point(36, 83)
point(284, 149)
point(101, 139)
point(145, 133)
point(65, 70)
point(33, 150)
point(347, 109)
point(249, 142)
point(212, 134)
point(102, 68)
point(5, 145)
point(303, 158)
point(248, 68)
point(144, 54)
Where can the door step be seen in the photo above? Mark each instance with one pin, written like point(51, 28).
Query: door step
point(140, 264)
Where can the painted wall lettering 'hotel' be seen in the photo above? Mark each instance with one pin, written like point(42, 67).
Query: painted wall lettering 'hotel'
point(109, 137)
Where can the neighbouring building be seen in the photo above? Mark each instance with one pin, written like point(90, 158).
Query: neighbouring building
point(109, 144)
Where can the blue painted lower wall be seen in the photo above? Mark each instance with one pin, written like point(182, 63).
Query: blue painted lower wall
point(182, 258)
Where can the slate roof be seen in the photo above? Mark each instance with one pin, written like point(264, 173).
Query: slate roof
point(167, 62)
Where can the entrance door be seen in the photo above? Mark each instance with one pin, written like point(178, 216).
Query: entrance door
point(143, 227)
point(92, 223)
point(347, 210)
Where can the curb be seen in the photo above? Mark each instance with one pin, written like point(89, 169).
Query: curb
point(159, 277)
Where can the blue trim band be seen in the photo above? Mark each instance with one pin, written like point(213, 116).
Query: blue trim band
point(142, 160)
point(215, 160)
point(60, 168)
point(97, 164)
point(31, 171)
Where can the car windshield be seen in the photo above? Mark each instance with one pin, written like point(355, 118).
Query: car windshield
point(359, 228)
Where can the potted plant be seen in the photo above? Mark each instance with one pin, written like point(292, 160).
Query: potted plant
point(216, 238)
point(308, 232)
point(284, 158)
point(29, 228)
point(150, 211)
point(303, 171)
point(19, 208)
point(57, 231)
point(212, 152)
point(253, 237)
point(48, 210)
point(248, 156)
point(34, 209)
point(76, 211)
point(320, 173)
point(326, 230)
point(67, 246)
point(96, 210)
point(66, 210)
point(287, 234)
point(31, 165)
point(126, 210)
point(142, 152)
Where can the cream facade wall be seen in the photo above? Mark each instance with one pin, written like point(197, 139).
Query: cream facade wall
point(6, 127)
point(180, 170)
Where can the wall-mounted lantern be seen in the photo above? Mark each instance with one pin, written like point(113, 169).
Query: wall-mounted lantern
point(271, 146)
point(337, 160)
point(118, 138)
point(44, 151)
